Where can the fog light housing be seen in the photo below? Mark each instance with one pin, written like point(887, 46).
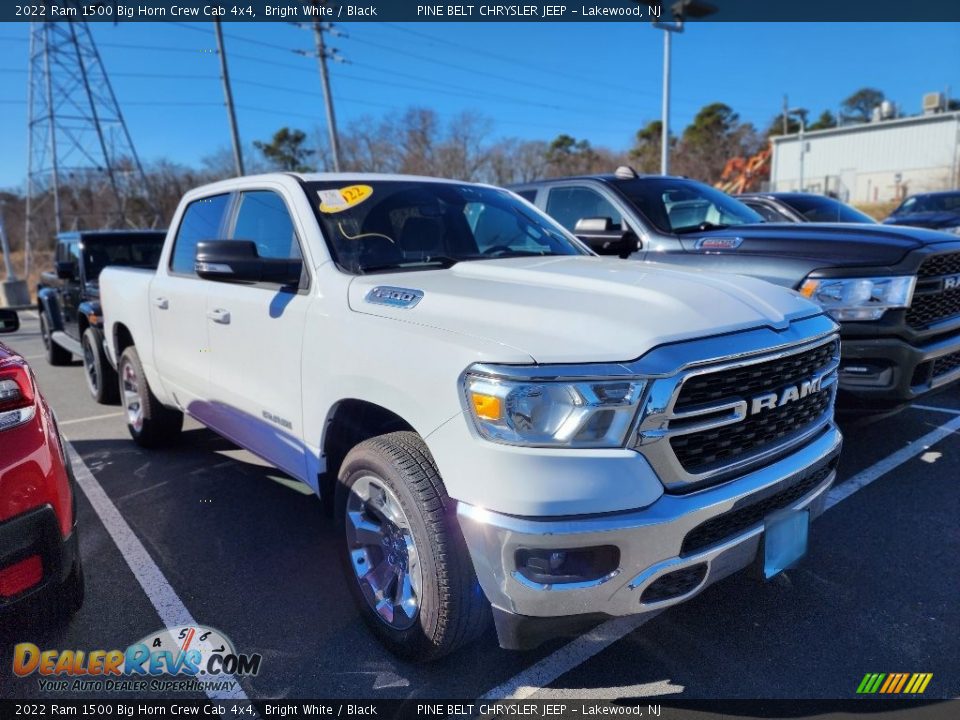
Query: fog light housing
point(558, 566)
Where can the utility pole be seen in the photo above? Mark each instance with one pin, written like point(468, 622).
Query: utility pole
point(322, 56)
point(665, 107)
point(228, 96)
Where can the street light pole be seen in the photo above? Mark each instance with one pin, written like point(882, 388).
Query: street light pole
point(665, 109)
point(801, 114)
point(680, 9)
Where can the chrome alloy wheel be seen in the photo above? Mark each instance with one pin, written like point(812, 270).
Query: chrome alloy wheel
point(130, 384)
point(383, 553)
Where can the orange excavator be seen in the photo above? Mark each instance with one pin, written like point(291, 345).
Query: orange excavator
point(745, 174)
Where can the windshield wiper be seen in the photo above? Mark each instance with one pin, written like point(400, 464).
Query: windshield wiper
point(435, 261)
point(706, 225)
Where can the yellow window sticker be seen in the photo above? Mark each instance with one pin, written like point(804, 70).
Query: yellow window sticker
point(334, 201)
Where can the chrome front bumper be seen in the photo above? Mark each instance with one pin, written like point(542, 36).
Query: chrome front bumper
point(649, 540)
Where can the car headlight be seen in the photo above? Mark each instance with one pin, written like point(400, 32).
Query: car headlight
point(571, 414)
point(859, 298)
point(955, 229)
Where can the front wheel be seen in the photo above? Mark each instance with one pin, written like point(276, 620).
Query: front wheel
point(149, 422)
point(101, 377)
point(404, 556)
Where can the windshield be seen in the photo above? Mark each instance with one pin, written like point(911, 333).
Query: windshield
point(818, 208)
point(142, 251)
point(399, 225)
point(949, 202)
point(677, 205)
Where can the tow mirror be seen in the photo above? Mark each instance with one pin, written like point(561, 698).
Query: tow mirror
point(239, 261)
point(66, 270)
point(9, 321)
point(604, 237)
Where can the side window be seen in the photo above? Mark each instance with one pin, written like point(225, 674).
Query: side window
point(567, 205)
point(768, 213)
point(264, 219)
point(201, 221)
point(528, 195)
point(69, 252)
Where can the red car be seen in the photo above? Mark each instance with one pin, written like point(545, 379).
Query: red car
point(40, 570)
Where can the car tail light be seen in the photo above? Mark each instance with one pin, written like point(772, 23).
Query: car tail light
point(16, 396)
point(21, 576)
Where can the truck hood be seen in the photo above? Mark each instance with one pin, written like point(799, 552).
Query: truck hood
point(933, 219)
point(826, 244)
point(581, 309)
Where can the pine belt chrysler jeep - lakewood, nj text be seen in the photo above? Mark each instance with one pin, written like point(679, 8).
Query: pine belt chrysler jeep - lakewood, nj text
point(496, 416)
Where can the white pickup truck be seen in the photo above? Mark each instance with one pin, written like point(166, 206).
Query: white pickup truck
point(499, 418)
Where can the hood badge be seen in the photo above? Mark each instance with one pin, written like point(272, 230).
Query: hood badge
point(719, 243)
point(398, 297)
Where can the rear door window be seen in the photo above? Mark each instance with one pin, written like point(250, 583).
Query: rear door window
point(202, 220)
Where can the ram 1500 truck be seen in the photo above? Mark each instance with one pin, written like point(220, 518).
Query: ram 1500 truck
point(456, 375)
point(68, 298)
point(894, 290)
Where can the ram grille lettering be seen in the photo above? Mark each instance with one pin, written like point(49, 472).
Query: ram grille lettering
point(787, 395)
point(951, 283)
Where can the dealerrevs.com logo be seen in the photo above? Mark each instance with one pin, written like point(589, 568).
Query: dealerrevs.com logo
point(189, 658)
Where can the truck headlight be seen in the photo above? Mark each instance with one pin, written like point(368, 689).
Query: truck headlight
point(573, 414)
point(954, 229)
point(859, 298)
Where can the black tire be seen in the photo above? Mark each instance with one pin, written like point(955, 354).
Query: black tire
point(451, 608)
point(101, 377)
point(56, 355)
point(150, 423)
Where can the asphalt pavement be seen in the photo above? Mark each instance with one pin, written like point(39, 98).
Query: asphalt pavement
point(247, 551)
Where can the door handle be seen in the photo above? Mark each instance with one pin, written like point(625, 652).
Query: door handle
point(219, 315)
point(161, 302)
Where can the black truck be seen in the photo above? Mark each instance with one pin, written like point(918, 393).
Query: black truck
point(894, 290)
point(68, 298)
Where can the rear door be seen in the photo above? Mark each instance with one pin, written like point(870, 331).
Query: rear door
point(69, 289)
point(256, 339)
point(178, 307)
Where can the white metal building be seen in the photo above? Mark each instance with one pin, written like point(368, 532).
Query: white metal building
point(872, 162)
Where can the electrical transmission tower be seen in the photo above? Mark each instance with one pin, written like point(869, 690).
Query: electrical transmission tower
point(83, 169)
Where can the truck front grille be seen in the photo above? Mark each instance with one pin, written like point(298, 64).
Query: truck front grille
point(734, 522)
point(931, 303)
point(709, 423)
point(754, 379)
point(704, 451)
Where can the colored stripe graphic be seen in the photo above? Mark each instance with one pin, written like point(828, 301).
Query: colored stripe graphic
point(894, 683)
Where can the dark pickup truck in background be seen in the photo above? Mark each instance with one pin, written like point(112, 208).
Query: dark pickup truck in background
point(68, 298)
point(894, 290)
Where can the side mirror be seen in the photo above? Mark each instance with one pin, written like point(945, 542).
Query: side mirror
point(239, 261)
point(66, 270)
point(9, 321)
point(603, 238)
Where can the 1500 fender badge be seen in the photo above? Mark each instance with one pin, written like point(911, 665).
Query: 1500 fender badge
point(397, 297)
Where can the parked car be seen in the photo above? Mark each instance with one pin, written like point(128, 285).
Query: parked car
point(40, 566)
point(781, 207)
point(456, 375)
point(894, 290)
point(937, 210)
point(68, 298)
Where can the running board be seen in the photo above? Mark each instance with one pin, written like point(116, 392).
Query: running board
point(66, 342)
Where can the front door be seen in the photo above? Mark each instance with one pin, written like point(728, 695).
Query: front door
point(256, 341)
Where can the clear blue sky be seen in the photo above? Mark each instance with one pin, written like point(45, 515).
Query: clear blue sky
point(599, 81)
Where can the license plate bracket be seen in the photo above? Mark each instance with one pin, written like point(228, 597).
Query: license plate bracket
point(785, 535)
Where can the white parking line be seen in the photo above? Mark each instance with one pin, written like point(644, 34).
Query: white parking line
point(88, 419)
point(931, 408)
point(169, 607)
point(536, 677)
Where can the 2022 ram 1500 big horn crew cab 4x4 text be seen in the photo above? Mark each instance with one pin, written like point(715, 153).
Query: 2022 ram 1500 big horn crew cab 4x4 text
point(441, 361)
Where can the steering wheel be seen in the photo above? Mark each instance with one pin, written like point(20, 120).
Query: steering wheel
point(493, 249)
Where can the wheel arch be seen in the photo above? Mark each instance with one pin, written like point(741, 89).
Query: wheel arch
point(349, 422)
